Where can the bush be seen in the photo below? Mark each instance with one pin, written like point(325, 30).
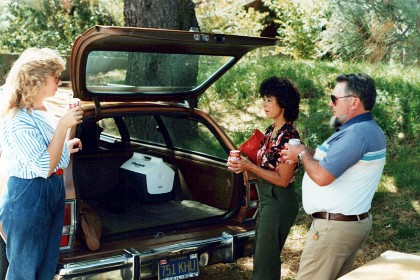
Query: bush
point(228, 18)
point(52, 23)
point(374, 30)
point(300, 26)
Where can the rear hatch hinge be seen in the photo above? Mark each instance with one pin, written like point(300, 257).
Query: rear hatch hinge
point(192, 104)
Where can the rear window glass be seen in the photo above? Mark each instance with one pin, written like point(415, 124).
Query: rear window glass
point(113, 72)
point(188, 135)
point(144, 128)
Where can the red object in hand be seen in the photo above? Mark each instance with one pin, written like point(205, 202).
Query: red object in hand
point(251, 146)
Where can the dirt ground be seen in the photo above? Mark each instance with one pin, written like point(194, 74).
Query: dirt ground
point(242, 269)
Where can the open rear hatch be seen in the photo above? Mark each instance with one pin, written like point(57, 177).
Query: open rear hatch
point(123, 63)
point(127, 65)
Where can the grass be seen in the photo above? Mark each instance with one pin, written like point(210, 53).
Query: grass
point(234, 103)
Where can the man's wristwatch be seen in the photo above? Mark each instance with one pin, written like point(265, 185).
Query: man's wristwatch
point(300, 155)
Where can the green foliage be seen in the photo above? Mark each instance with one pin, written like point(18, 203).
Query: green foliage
point(301, 23)
point(405, 165)
point(52, 23)
point(374, 30)
point(235, 103)
point(228, 17)
point(361, 30)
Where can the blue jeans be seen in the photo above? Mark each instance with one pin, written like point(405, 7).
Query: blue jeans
point(32, 219)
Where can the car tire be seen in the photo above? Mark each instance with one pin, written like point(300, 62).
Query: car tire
point(4, 264)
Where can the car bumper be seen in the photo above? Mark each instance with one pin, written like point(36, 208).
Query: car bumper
point(132, 264)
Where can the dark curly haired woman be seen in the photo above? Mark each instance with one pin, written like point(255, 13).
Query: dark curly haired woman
point(278, 206)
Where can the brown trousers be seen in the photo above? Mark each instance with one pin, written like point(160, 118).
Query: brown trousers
point(332, 252)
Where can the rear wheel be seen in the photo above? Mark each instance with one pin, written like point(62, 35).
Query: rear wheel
point(4, 264)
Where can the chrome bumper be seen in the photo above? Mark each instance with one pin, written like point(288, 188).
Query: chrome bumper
point(132, 264)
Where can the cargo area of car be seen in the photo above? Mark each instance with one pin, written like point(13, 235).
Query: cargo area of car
point(200, 191)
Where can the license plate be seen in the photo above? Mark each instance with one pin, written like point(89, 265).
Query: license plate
point(180, 267)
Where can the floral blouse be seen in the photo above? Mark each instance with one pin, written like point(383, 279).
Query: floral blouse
point(268, 155)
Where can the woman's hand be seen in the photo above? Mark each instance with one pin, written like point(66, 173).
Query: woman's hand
point(281, 178)
point(74, 145)
point(238, 166)
point(72, 117)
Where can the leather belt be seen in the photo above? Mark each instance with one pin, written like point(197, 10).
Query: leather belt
point(339, 217)
point(58, 172)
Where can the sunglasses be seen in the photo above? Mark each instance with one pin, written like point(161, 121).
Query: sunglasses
point(334, 98)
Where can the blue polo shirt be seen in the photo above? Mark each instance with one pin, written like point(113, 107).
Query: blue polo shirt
point(355, 155)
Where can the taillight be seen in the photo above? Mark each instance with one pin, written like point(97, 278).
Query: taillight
point(249, 209)
point(68, 226)
point(64, 241)
point(252, 200)
point(253, 192)
point(67, 214)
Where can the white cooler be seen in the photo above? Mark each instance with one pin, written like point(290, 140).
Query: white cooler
point(150, 177)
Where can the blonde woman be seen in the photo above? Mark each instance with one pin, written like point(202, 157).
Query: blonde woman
point(35, 151)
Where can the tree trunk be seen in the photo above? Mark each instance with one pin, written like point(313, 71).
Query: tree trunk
point(165, 14)
point(161, 14)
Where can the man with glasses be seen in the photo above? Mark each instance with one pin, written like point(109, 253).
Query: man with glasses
point(340, 180)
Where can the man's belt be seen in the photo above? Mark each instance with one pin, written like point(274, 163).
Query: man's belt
point(339, 217)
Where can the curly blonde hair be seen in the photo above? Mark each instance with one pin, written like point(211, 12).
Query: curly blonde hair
point(26, 77)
